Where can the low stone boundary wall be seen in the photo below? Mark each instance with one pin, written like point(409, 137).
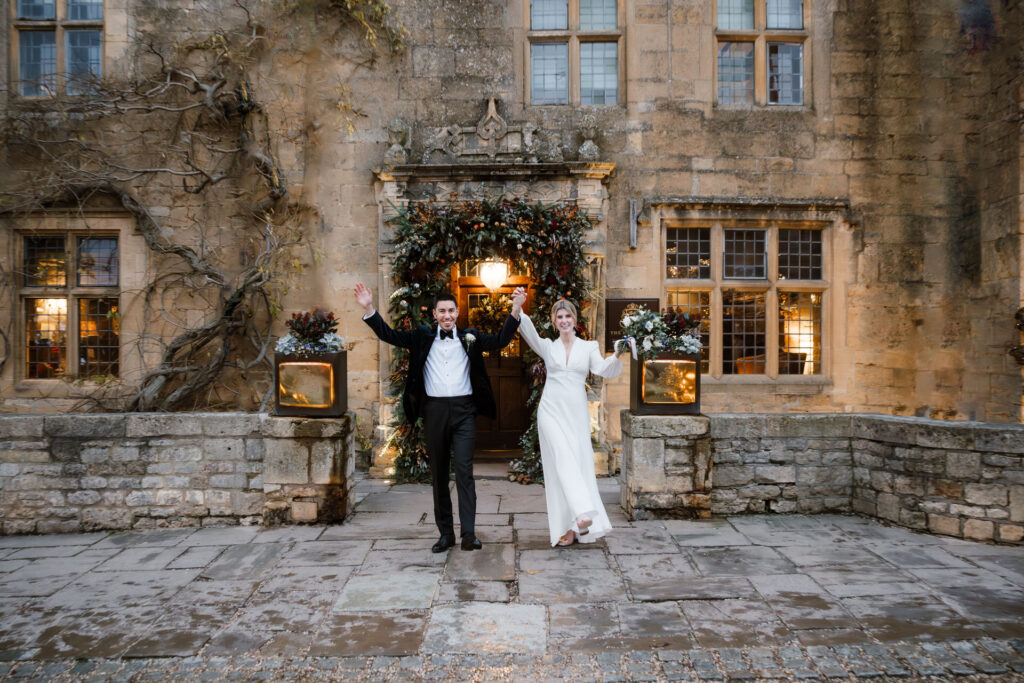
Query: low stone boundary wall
point(85, 472)
point(961, 479)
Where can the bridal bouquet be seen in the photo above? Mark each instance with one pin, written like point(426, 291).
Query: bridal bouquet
point(310, 333)
point(649, 333)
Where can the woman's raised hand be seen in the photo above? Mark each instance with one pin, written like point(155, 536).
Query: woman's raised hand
point(518, 299)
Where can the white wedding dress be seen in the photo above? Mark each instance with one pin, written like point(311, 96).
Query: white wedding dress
point(563, 424)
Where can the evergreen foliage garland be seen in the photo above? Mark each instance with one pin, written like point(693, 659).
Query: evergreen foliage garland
point(431, 239)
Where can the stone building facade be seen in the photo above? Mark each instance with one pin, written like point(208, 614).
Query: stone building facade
point(838, 185)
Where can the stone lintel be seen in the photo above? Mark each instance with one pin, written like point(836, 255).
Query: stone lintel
point(496, 171)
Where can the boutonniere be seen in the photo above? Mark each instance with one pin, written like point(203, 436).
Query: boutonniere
point(468, 339)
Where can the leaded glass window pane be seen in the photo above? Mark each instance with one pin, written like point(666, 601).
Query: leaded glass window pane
point(39, 10)
point(45, 262)
point(38, 62)
point(700, 303)
point(735, 15)
point(97, 261)
point(744, 254)
point(98, 337)
point(785, 73)
point(736, 73)
point(85, 59)
point(785, 14)
point(549, 15)
point(799, 254)
point(85, 10)
point(799, 333)
point(743, 333)
point(688, 253)
point(598, 15)
point(549, 73)
point(599, 73)
point(46, 325)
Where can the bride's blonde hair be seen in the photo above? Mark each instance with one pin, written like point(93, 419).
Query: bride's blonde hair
point(563, 304)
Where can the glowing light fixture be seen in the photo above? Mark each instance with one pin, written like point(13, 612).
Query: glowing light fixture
point(493, 273)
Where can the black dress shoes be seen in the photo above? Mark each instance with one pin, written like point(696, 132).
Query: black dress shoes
point(471, 543)
point(446, 541)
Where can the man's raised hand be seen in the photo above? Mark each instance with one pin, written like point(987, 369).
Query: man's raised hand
point(364, 297)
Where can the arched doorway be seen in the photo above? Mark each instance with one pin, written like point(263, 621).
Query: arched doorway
point(481, 307)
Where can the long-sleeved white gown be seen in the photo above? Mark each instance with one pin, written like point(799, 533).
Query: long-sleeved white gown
point(563, 425)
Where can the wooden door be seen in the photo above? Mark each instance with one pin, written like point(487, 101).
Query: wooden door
point(508, 374)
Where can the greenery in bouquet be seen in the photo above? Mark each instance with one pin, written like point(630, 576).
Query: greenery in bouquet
point(310, 333)
point(655, 333)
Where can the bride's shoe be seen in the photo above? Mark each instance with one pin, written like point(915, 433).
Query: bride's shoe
point(568, 538)
point(583, 523)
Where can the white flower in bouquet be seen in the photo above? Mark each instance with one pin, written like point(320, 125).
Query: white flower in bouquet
point(649, 325)
point(647, 344)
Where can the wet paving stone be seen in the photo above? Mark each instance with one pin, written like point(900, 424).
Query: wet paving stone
point(402, 590)
point(487, 627)
point(493, 562)
point(474, 591)
point(585, 585)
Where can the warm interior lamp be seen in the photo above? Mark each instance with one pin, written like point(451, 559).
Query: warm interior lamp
point(493, 273)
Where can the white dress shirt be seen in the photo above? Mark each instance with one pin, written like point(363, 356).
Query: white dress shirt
point(447, 370)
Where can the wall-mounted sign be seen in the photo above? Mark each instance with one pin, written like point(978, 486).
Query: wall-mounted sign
point(615, 309)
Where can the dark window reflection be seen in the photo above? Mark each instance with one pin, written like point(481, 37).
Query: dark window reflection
point(97, 261)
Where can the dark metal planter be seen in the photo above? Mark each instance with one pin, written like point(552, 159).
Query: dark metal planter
point(311, 386)
point(668, 385)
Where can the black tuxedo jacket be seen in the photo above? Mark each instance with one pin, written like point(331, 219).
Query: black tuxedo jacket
point(419, 341)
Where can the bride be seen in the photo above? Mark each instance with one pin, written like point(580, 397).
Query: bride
point(575, 511)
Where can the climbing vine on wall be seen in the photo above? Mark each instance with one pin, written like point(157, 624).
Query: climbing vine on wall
point(432, 238)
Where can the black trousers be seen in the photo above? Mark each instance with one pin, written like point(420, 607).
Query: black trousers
point(449, 425)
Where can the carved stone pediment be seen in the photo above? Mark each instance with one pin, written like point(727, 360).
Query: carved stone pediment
point(491, 139)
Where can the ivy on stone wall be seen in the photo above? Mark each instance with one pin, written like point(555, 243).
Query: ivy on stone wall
point(431, 240)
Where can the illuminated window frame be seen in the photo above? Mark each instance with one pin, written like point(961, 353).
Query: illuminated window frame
point(72, 294)
point(760, 36)
point(716, 286)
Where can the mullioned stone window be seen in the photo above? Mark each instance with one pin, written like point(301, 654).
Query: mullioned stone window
point(761, 52)
point(70, 298)
point(760, 289)
point(574, 52)
point(57, 46)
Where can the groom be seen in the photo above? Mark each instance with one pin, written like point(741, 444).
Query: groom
point(447, 386)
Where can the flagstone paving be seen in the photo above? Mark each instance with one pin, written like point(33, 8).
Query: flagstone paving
point(785, 597)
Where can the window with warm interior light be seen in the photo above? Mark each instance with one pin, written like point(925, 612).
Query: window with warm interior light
point(574, 49)
point(760, 288)
point(57, 46)
point(71, 302)
point(761, 52)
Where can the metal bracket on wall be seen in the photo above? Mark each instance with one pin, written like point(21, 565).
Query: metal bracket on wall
point(635, 207)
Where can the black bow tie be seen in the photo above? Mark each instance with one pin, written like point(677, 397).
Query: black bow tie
point(447, 334)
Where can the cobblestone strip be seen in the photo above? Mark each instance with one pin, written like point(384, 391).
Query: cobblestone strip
point(982, 663)
point(826, 662)
point(943, 656)
point(982, 659)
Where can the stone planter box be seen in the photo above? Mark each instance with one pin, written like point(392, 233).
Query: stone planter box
point(311, 386)
point(666, 466)
point(668, 385)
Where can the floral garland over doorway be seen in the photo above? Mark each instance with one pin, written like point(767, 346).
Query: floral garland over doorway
point(432, 239)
